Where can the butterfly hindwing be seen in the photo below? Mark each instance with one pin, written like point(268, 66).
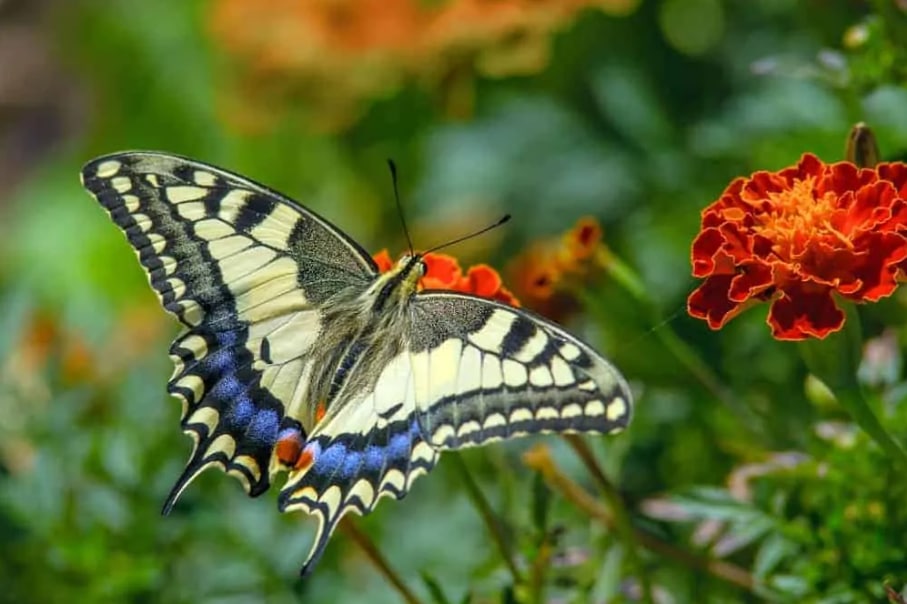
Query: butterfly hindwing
point(472, 371)
point(246, 271)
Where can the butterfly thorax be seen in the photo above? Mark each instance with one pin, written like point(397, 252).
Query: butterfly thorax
point(364, 335)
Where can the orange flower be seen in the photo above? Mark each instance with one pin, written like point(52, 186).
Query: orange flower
point(339, 53)
point(444, 272)
point(797, 236)
point(546, 272)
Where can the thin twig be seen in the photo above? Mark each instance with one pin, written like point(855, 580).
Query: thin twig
point(621, 517)
point(488, 516)
point(538, 570)
point(349, 528)
point(539, 458)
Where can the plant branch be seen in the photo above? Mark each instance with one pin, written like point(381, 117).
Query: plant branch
point(540, 459)
point(621, 518)
point(368, 547)
point(488, 516)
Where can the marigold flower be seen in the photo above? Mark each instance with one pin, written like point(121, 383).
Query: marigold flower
point(544, 275)
point(339, 52)
point(444, 272)
point(797, 237)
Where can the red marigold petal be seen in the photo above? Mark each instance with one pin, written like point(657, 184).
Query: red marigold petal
point(804, 311)
point(710, 301)
point(383, 260)
point(721, 250)
point(482, 280)
point(896, 174)
point(704, 250)
point(443, 271)
point(808, 166)
point(829, 264)
point(754, 280)
point(718, 212)
point(506, 296)
point(844, 176)
point(868, 207)
point(878, 269)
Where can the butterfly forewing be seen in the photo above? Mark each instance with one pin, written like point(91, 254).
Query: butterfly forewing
point(245, 270)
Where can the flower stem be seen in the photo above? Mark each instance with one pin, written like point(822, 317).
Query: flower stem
point(371, 552)
point(683, 352)
point(621, 518)
point(495, 526)
point(539, 458)
point(855, 403)
point(835, 360)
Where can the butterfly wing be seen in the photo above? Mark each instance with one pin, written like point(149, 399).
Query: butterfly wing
point(486, 371)
point(472, 371)
point(246, 270)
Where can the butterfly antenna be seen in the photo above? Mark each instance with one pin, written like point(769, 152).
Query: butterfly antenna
point(500, 221)
point(393, 169)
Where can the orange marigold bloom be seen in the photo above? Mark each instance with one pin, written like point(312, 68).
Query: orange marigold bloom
point(338, 54)
point(545, 272)
point(444, 272)
point(796, 237)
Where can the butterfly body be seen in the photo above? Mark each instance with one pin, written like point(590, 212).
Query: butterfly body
point(299, 356)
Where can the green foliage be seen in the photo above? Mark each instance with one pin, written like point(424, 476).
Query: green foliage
point(639, 120)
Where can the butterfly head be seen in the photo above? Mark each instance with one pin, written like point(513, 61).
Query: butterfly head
point(408, 271)
point(412, 264)
point(399, 284)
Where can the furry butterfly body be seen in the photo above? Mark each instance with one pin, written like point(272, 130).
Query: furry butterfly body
point(298, 356)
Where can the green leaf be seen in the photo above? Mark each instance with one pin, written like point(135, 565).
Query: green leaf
point(434, 589)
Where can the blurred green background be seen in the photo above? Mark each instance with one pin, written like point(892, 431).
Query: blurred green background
point(635, 113)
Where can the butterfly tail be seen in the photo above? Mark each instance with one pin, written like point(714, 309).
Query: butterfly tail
point(351, 472)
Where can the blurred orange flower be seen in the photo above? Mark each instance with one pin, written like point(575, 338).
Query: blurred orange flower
point(336, 53)
point(796, 238)
point(444, 272)
point(545, 274)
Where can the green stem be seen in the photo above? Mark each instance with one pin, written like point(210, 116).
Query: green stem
point(623, 275)
point(855, 403)
point(495, 527)
point(371, 552)
point(539, 458)
point(622, 523)
point(835, 360)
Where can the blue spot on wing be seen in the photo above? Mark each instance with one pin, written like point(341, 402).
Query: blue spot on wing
point(351, 464)
point(228, 388)
point(247, 413)
point(343, 459)
point(242, 411)
point(263, 427)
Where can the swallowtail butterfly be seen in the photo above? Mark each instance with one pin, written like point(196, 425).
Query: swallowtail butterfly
point(298, 356)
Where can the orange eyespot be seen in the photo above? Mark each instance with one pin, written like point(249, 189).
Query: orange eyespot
point(289, 447)
point(306, 458)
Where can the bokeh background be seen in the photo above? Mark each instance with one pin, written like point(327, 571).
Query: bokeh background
point(634, 113)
